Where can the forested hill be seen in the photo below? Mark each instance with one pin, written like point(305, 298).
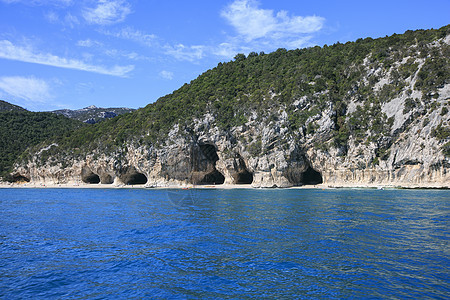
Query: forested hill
point(5, 106)
point(20, 129)
point(263, 83)
point(376, 106)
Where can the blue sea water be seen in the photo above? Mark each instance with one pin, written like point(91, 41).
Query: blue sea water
point(222, 244)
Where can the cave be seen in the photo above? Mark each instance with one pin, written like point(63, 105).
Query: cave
point(204, 170)
point(242, 176)
point(91, 179)
point(311, 177)
point(19, 178)
point(136, 178)
point(214, 177)
point(209, 151)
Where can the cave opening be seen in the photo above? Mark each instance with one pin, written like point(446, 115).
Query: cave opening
point(209, 151)
point(136, 178)
point(19, 178)
point(204, 166)
point(311, 177)
point(243, 177)
point(214, 177)
point(92, 179)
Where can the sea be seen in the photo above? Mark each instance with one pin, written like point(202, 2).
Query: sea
point(224, 244)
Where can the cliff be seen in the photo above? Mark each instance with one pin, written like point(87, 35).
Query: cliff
point(366, 112)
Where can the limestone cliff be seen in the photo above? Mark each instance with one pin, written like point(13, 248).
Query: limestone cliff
point(381, 120)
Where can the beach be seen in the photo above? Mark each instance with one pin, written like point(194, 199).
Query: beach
point(222, 186)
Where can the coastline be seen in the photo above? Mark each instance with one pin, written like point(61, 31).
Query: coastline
point(221, 186)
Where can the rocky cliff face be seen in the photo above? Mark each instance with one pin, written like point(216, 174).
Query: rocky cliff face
point(395, 134)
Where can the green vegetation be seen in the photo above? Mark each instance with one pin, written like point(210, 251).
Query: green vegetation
point(441, 132)
point(20, 129)
point(5, 106)
point(263, 82)
point(326, 78)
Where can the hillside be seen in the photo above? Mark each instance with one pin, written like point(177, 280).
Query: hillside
point(20, 129)
point(5, 106)
point(369, 111)
point(93, 114)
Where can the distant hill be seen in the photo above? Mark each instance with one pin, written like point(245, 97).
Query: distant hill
point(93, 114)
point(20, 129)
point(5, 106)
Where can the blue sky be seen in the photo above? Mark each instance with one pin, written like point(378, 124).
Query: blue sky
point(128, 53)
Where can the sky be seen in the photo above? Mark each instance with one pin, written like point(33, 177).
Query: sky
point(127, 53)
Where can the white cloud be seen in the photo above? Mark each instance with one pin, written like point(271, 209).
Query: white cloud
point(88, 43)
point(226, 50)
point(71, 20)
point(114, 53)
point(27, 88)
point(166, 74)
point(107, 12)
point(52, 17)
point(25, 54)
point(68, 20)
point(182, 52)
point(263, 28)
point(128, 33)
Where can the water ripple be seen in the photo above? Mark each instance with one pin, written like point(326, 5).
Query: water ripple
point(161, 244)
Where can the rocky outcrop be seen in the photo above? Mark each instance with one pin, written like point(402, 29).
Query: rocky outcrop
point(93, 114)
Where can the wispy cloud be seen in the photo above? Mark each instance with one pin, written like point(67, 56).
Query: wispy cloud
point(252, 22)
point(166, 74)
point(107, 12)
point(131, 34)
point(260, 28)
point(30, 89)
point(117, 54)
point(26, 54)
point(88, 43)
point(188, 53)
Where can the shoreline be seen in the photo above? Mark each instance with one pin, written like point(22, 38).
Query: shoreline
point(4, 185)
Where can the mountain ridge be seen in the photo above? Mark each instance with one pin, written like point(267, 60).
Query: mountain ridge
point(93, 114)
